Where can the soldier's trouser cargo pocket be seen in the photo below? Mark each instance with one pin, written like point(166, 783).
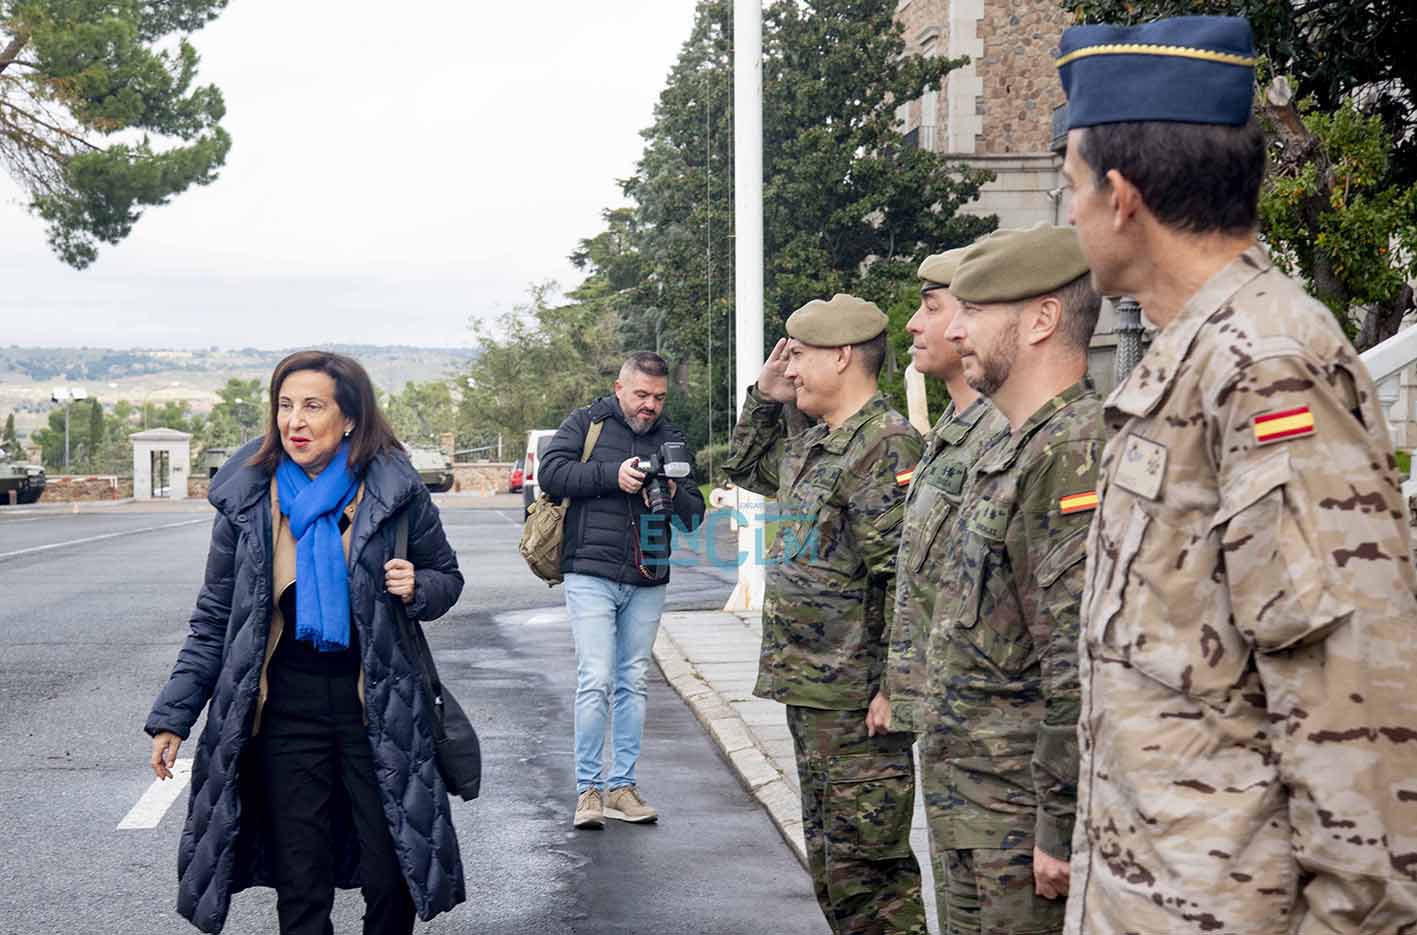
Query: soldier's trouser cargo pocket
point(870, 798)
point(989, 891)
point(858, 796)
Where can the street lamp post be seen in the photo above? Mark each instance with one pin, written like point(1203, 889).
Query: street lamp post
point(67, 395)
point(1129, 335)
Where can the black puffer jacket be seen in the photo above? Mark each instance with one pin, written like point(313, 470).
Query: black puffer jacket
point(599, 538)
point(222, 850)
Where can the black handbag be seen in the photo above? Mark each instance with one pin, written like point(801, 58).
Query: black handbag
point(459, 754)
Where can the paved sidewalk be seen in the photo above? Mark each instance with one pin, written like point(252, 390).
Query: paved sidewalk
point(711, 660)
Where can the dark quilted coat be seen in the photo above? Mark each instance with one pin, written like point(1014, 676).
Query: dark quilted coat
point(222, 850)
point(599, 539)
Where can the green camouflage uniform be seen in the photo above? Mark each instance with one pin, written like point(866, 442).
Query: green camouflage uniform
point(936, 490)
point(934, 495)
point(999, 751)
point(841, 496)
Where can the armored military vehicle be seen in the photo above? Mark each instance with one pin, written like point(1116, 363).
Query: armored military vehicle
point(213, 459)
point(26, 481)
point(433, 467)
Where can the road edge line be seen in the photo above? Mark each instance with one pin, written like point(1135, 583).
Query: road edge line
point(34, 550)
point(730, 733)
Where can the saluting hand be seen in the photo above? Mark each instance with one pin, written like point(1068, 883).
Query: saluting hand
point(772, 381)
point(399, 579)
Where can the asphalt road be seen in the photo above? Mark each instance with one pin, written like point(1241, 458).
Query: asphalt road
point(93, 608)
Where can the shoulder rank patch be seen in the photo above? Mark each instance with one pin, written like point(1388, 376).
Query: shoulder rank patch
point(1078, 502)
point(903, 478)
point(1283, 425)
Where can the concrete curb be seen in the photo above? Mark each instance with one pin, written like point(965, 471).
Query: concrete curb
point(756, 770)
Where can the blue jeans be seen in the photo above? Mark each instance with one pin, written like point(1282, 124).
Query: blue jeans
point(614, 625)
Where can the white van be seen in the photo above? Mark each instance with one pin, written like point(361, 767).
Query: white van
point(536, 442)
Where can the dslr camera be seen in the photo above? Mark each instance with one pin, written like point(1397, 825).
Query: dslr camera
point(671, 461)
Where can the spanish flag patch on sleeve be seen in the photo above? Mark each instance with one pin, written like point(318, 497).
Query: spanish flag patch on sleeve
point(1078, 502)
point(1283, 425)
point(903, 478)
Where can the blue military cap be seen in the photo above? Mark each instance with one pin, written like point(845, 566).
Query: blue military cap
point(1188, 69)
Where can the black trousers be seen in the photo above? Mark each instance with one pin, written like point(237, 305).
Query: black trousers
point(314, 758)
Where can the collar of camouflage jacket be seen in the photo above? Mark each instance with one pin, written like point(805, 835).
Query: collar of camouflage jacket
point(1000, 456)
point(954, 426)
point(836, 441)
point(1150, 379)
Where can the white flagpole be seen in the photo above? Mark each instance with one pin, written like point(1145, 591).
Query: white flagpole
point(748, 256)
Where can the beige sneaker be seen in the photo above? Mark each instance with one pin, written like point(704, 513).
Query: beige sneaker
point(625, 804)
point(589, 812)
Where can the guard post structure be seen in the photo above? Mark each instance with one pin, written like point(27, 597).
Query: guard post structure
point(161, 458)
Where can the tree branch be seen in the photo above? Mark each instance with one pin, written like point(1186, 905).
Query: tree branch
point(17, 45)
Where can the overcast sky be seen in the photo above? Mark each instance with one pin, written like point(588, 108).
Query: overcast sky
point(396, 169)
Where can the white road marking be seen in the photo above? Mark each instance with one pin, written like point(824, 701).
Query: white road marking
point(509, 520)
point(107, 535)
point(158, 799)
point(545, 618)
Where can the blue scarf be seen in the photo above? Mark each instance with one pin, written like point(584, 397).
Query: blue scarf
point(313, 508)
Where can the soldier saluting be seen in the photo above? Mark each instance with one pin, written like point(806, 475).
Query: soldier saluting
point(840, 486)
point(1249, 762)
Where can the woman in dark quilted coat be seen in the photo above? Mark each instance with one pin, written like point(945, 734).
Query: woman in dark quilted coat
point(316, 766)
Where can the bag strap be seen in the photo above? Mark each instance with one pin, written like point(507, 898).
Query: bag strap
point(591, 437)
point(423, 655)
point(401, 536)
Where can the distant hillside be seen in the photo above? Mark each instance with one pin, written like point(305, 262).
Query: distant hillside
point(27, 374)
point(390, 366)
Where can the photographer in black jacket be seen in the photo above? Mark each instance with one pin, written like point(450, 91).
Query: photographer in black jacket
point(616, 565)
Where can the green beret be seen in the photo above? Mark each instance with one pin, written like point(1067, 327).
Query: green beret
point(1013, 265)
point(937, 271)
point(844, 320)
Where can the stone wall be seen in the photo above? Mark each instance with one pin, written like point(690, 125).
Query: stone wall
point(1002, 102)
point(1020, 81)
point(484, 477)
point(922, 21)
point(66, 488)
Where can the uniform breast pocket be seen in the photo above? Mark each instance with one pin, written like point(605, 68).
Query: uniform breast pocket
point(1161, 609)
point(808, 526)
point(989, 628)
point(935, 508)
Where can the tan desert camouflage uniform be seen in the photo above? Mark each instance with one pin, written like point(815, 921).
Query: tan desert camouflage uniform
point(1249, 729)
point(936, 488)
point(999, 752)
point(841, 496)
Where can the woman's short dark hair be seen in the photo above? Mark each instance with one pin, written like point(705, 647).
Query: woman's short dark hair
point(1194, 177)
point(354, 394)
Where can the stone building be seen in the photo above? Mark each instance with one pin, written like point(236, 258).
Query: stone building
point(997, 112)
